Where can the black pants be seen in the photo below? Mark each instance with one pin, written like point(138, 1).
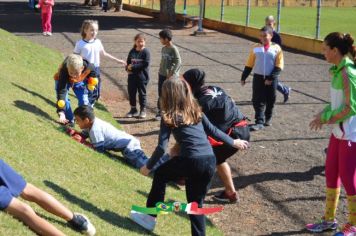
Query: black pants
point(263, 98)
point(161, 79)
point(225, 151)
point(198, 173)
point(134, 85)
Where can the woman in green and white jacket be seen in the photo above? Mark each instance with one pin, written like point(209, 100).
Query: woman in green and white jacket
point(340, 166)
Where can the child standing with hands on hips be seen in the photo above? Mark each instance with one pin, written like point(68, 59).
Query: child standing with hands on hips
point(46, 15)
point(340, 165)
point(138, 62)
point(91, 48)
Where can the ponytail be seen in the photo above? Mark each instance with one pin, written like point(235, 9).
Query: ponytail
point(343, 42)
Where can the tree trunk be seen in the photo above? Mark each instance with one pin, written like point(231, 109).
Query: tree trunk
point(167, 10)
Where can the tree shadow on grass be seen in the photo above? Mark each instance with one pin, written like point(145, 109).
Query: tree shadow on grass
point(106, 215)
point(33, 109)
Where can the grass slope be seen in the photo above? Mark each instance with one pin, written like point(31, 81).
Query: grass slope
point(102, 187)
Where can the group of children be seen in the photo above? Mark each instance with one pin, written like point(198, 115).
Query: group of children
point(207, 125)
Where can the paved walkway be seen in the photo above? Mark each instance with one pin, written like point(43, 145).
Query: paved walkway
point(280, 179)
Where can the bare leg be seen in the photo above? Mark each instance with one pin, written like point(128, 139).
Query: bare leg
point(46, 201)
point(224, 172)
point(27, 215)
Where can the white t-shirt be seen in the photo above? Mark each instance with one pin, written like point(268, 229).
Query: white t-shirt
point(104, 134)
point(89, 50)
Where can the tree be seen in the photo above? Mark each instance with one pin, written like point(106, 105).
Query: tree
point(168, 11)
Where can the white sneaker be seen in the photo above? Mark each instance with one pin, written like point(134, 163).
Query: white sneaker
point(49, 33)
point(44, 33)
point(146, 221)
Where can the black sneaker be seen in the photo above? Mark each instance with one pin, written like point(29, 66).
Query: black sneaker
point(82, 224)
point(132, 113)
point(223, 197)
point(256, 127)
point(142, 113)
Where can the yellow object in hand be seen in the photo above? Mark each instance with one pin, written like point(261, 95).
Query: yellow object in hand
point(61, 103)
point(91, 87)
point(93, 81)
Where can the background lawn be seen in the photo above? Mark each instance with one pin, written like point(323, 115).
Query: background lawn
point(101, 186)
point(294, 20)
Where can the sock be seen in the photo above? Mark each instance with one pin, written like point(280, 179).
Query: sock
point(351, 203)
point(332, 199)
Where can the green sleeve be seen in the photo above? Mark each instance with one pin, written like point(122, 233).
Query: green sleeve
point(176, 63)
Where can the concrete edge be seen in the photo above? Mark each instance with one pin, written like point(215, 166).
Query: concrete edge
point(299, 43)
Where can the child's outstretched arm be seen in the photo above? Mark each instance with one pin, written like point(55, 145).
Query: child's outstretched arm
point(113, 58)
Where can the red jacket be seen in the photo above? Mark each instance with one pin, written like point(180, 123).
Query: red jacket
point(46, 5)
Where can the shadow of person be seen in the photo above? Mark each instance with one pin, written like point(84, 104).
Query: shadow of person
point(48, 101)
point(33, 109)
point(106, 215)
point(244, 181)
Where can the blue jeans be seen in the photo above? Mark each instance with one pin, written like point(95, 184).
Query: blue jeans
point(95, 94)
point(137, 158)
point(81, 92)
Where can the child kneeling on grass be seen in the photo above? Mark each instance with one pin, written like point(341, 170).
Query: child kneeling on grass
point(104, 136)
point(13, 185)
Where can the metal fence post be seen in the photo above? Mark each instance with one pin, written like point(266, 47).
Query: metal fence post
point(279, 16)
point(317, 33)
point(185, 7)
point(248, 13)
point(153, 3)
point(222, 10)
point(140, 3)
point(200, 23)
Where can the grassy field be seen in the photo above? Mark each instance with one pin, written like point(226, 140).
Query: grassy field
point(101, 186)
point(294, 20)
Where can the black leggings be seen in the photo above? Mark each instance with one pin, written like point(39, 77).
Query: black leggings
point(197, 172)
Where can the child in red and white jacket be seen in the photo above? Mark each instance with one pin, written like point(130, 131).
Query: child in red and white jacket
point(46, 15)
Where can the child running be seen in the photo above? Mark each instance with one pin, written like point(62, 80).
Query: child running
point(46, 15)
point(73, 73)
point(267, 60)
point(340, 163)
point(104, 137)
point(13, 185)
point(138, 62)
point(182, 116)
point(170, 63)
point(90, 48)
point(222, 112)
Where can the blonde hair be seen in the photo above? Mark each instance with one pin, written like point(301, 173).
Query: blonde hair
point(86, 24)
point(178, 105)
point(74, 62)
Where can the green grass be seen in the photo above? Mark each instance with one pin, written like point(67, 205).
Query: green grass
point(100, 186)
point(294, 20)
